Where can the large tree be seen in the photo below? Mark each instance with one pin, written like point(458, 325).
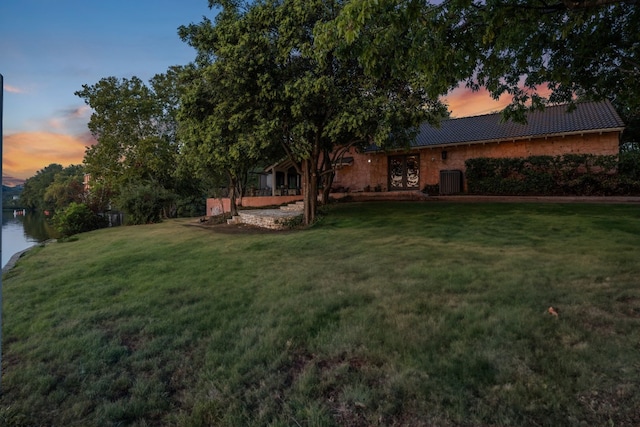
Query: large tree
point(135, 126)
point(134, 142)
point(537, 51)
point(304, 99)
point(218, 115)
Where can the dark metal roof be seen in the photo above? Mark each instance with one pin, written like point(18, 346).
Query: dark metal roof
point(588, 117)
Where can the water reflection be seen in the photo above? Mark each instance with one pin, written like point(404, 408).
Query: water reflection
point(35, 225)
point(20, 232)
point(38, 227)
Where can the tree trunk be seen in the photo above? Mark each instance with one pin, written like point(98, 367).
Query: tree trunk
point(327, 181)
point(326, 173)
point(233, 206)
point(310, 178)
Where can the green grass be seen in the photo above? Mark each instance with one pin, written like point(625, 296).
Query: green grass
point(382, 314)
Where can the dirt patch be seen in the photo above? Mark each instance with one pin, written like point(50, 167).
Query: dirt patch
point(618, 405)
point(225, 228)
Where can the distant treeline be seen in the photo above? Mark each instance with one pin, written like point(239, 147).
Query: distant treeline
point(11, 197)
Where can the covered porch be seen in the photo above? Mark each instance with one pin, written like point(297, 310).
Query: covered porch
point(282, 178)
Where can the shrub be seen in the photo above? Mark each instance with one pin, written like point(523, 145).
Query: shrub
point(77, 218)
point(629, 166)
point(190, 206)
point(146, 204)
point(571, 174)
point(431, 189)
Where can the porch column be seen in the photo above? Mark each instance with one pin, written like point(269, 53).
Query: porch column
point(286, 181)
point(273, 181)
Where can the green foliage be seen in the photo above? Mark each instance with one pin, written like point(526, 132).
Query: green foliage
point(136, 128)
point(9, 195)
point(535, 52)
point(32, 196)
point(224, 108)
point(137, 131)
point(122, 120)
point(189, 205)
point(571, 174)
point(263, 85)
point(53, 187)
point(77, 218)
point(66, 188)
point(432, 190)
point(146, 204)
point(629, 166)
point(99, 196)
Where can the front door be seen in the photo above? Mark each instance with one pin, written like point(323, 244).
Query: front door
point(404, 172)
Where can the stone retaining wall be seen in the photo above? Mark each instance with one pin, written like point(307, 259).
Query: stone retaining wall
point(266, 221)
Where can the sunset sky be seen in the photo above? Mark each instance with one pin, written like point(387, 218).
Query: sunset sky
point(49, 49)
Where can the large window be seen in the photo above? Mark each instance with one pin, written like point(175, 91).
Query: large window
point(404, 172)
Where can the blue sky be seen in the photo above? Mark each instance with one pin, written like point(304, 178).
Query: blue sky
point(50, 48)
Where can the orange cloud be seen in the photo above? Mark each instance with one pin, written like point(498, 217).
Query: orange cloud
point(27, 152)
point(464, 102)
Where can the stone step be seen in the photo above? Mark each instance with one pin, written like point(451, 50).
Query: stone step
point(275, 219)
point(293, 207)
point(236, 219)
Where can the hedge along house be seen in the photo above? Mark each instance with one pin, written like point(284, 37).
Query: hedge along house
point(437, 155)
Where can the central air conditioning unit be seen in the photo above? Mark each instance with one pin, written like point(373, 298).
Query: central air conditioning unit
point(450, 182)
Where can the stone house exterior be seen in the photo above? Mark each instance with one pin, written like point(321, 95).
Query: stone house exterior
point(437, 155)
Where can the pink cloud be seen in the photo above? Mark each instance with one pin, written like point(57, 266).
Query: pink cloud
point(80, 112)
point(13, 89)
point(68, 120)
point(464, 102)
point(55, 123)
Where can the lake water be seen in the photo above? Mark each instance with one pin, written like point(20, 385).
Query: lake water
point(20, 232)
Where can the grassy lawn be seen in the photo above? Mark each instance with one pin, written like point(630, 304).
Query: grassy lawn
point(384, 314)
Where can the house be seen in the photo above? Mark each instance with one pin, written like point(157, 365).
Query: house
point(438, 155)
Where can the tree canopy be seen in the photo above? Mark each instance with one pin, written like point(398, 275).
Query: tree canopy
point(67, 187)
point(265, 83)
point(135, 125)
point(37, 194)
point(133, 129)
point(219, 114)
point(536, 51)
